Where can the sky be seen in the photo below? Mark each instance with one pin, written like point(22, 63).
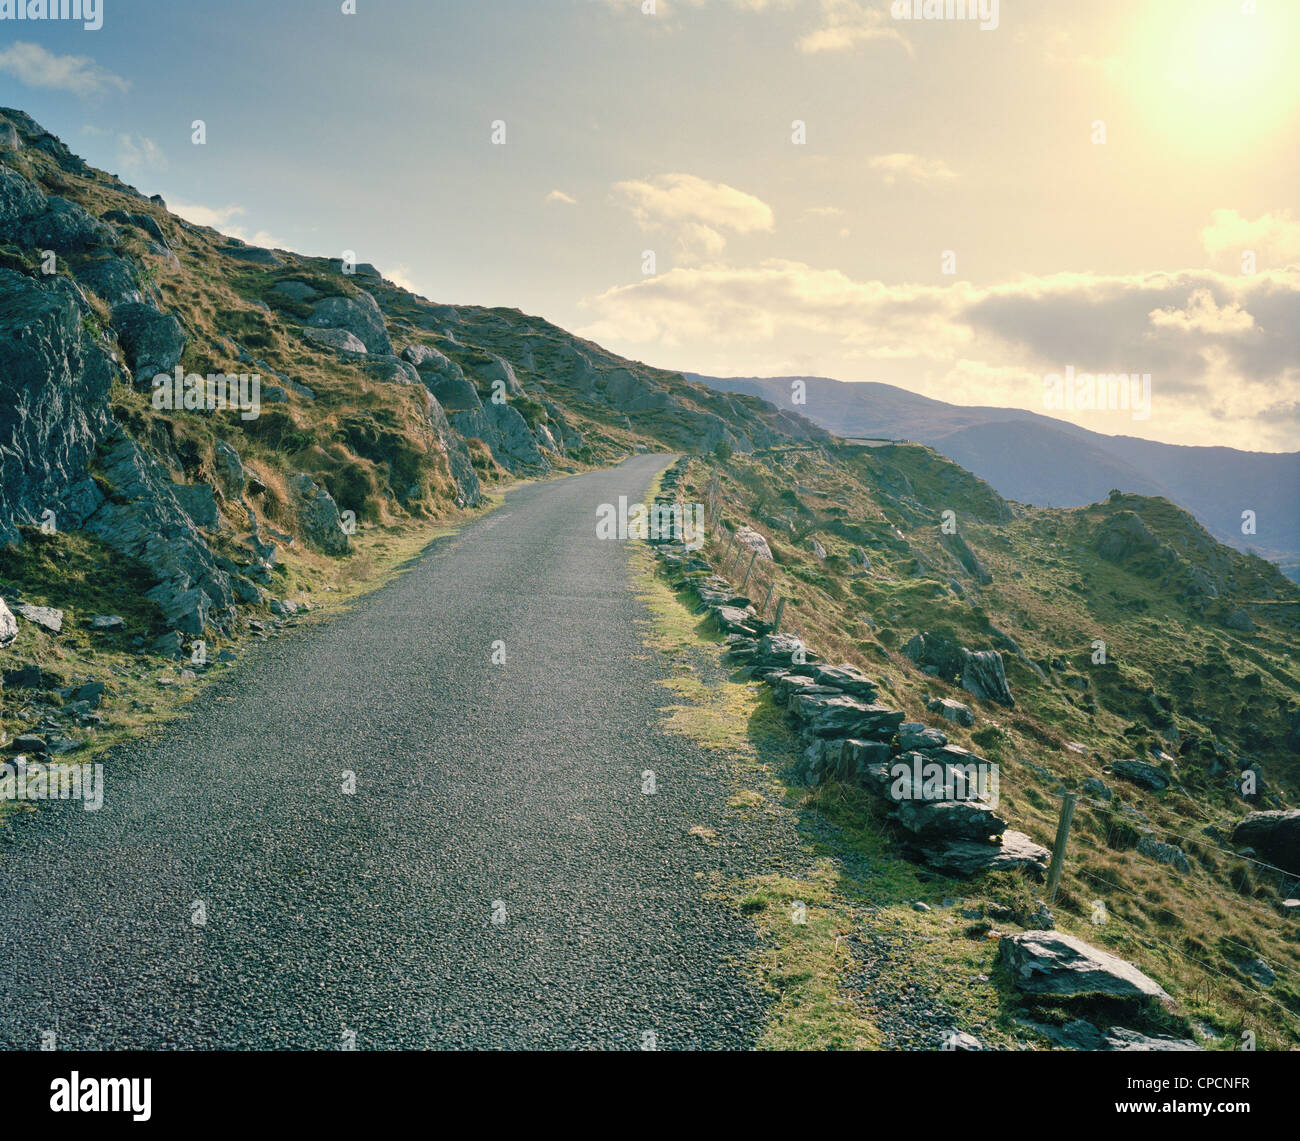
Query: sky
point(969, 207)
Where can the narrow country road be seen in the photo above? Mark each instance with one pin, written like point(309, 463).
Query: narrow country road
point(481, 788)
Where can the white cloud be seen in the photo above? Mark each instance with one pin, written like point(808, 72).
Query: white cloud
point(31, 64)
point(138, 152)
point(1202, 315)
point(695, 211)
point(560, 196)
point(911, 167)
point(845, 24)
point(1223, 350)
point(1274, 237)
point(219, 219)
point(399, 275)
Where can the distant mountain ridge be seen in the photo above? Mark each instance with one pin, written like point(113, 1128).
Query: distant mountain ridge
point(1036, 459)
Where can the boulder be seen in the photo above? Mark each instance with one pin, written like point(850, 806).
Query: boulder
point(454, 393)
point(913, 735)
point(360, 316)
point(1053, 965)
point(846, 678)
point(748, 537)
point(950, 710)
point(109, 623)
point(942, 820)
point(1274, 835)
point(1164, 853)
point(340, 340)
point(984, 675)
point(8, 624)
point(153, 341)
point(1097, 789)
point(1012, 852)
point(1141, 773)
point(46, 617)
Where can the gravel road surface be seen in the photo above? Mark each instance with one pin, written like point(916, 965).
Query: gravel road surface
point(498, 879)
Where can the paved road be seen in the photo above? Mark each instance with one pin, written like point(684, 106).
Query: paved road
point(372, 913)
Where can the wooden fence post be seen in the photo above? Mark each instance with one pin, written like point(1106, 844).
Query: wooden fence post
point(771, 586)
point(780, 609)
point(745, 581)
point(1058, 849)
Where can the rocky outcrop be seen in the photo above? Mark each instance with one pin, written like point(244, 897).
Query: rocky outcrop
point(359, 315)
point(8, 625)
point(144, 519)
point(1053, 965)
point(1274, 835)
point(318, 515)
point(1142, 773)
point(504, 430)
point(54, 386)
point(152, 341)
point(340, 340)
point(469, 492)
point(984, 675)
point(979, 672)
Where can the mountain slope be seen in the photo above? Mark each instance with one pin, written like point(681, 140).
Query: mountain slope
point(1037, 459)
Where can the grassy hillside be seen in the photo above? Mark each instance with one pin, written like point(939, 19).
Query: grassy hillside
point(1184, 685)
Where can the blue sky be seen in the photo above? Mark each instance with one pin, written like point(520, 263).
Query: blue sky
point(673, 132)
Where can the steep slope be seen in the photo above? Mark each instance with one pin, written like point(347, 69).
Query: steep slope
point(199, 404)
point(1037, 459)
point(1125, 656)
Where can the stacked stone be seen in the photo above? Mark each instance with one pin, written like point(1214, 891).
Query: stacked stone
point(846, 735)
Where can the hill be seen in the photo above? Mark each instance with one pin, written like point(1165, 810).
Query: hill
point(1037, 459)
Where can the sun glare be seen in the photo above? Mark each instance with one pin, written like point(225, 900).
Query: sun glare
point(1213, 76)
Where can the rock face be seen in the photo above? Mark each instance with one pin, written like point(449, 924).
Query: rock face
point(504, 430)
point(750, 538)
point(1141, 773)
point(984, 675)
point(8, 625)
point(981, 672)
point(340, 340)
point(1274, 835)
point(469, 490)
point(144, 519)
point(153, 341)
point(319, 516)
point(54, 385)
point(359, 316)
point(1053, 965)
